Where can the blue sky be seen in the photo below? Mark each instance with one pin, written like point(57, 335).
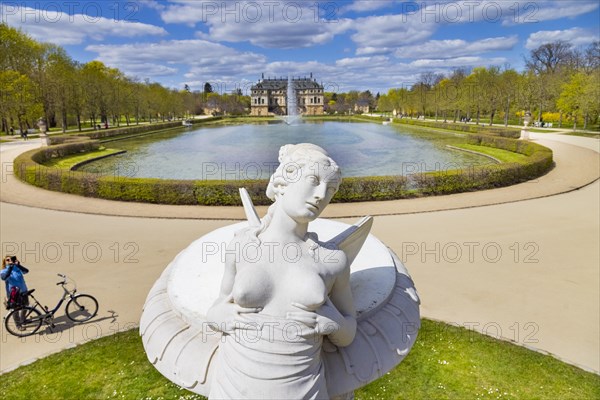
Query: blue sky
point(347, 45)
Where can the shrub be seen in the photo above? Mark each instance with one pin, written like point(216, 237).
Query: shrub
point(29, 168)
point(462, 127)
point(489, 176)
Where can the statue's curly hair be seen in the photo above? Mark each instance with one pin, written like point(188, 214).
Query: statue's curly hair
point(292, 158)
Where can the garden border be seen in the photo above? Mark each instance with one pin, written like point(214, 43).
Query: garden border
point(29, 168)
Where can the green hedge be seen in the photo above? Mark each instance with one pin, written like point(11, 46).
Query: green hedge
point(124, 131)
point(29, 168)
point(185, 192)
point(488, 176)
point(462, 127)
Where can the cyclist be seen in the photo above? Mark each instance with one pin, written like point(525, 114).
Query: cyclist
point(12, 272)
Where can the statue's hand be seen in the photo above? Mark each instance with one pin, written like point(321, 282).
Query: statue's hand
point(228, 316)
point(321, 320)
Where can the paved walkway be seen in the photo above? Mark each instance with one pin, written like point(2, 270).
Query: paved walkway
point(525, 268)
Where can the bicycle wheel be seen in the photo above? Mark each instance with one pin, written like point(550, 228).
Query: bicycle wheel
point(23, 321)
point(82, 307)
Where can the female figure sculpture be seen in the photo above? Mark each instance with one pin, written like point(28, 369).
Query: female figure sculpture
point(264, 309)
point(292, 287)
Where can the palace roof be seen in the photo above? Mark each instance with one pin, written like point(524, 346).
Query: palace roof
point(281, 84)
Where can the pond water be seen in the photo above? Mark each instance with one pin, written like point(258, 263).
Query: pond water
point(234, 152)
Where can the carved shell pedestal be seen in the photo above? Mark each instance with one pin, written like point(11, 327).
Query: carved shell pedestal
point(179, 343)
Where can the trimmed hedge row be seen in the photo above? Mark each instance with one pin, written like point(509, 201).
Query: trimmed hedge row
point(123, 131)
point(28, 167)
point(462, 127)
point(184, 192)
point(129, 130)
point(488, 176)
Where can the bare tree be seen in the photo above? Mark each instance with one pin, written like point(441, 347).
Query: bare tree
point(592, 56)
point(549, 57)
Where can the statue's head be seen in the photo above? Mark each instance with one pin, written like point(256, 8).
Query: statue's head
point(305, 181)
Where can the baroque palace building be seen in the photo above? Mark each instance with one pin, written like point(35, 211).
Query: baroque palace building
point(269, 96)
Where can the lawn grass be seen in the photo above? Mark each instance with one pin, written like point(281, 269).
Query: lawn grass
point(499, 154)
point(583, 134)
point(445, 363)
point(70, 161)
point(544, 130)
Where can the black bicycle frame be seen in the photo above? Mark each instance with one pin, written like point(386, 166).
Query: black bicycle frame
point(60, 302)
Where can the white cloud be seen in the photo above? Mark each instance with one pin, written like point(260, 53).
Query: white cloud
point(551, 10)
point(145, 70)
point(362, 62)
point(367, 5)
point(279, 34)
point(200, 61)
point(457, 62)
point(271, 24)
point(418, 21)
point(575, 36)
point(152, 4)
point(60, 28)
point(376, 33)
point(188, 12)
point(377, 73)
point(494, 11)
point(197, 57)
point(456, 47)
point(371, 51)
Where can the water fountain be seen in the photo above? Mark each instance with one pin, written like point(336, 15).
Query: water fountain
point(291, 102)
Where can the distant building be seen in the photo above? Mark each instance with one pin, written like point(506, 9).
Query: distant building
point(269, 96)
point(362, 106)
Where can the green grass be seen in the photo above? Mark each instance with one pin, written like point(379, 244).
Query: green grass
point(499, 154)
point(445, 363)
point(544, 130)
point(583, 134)
point(70, 161)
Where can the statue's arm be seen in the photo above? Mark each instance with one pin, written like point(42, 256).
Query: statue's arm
point(341, 299)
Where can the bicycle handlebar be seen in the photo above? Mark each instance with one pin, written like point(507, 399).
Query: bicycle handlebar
point(63, 281)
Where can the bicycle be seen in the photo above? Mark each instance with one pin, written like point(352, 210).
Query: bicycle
point(26, 320)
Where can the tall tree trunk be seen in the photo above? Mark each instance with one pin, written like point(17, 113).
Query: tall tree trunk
point(507, 111)
point(79, 122)
point(560, 118)
point(64, 120)
point(477, 119)
point(492, 117)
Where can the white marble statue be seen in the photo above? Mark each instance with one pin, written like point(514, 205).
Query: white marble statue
point(268, 310)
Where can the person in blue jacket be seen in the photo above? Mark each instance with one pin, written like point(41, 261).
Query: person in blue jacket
point(12, 273)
